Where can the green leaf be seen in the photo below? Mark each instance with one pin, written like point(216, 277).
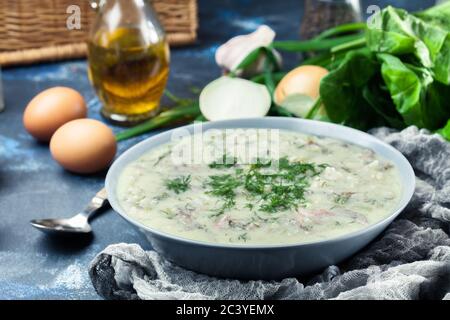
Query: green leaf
point(390, 42)
point(442, 62)
point(419, 99)
point(436, 105)
point(397, 32)
point(393, 33)
point(404, 87)
point(438, 15)
point(381, 102)
point(341, 90)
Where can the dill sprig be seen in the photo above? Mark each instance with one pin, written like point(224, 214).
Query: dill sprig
point(342, 198)
point(282, 190)
point(179, 184)
point(224, 186)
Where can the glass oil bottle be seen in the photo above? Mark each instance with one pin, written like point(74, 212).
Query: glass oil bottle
point(128, 58)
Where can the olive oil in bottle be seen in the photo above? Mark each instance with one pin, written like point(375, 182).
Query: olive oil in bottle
point(128, 64)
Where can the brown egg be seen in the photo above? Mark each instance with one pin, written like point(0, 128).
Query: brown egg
point(52, 108)
point(83, 146)
point(301, 80)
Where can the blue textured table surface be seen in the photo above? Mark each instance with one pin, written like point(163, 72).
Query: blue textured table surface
point(32, 185)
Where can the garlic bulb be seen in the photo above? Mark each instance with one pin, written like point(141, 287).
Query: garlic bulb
point(231, 53)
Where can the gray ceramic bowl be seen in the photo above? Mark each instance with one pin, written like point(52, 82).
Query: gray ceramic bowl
point(265, 261)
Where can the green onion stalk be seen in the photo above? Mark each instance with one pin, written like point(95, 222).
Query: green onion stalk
point(167, 117)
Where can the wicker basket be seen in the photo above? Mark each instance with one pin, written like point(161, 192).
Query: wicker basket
point(35, 30)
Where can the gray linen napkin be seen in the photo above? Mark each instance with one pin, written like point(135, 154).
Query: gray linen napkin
point(410, 260)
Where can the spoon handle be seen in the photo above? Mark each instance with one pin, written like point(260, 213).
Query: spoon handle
point(97, 202)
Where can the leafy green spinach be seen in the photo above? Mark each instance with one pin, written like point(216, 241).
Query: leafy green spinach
point(401, 77)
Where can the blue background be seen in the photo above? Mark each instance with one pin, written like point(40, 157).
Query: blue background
point(32, 185)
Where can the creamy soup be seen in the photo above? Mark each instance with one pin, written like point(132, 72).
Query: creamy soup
point(312, 188)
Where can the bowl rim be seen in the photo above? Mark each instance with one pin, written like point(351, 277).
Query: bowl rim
point(328, 129)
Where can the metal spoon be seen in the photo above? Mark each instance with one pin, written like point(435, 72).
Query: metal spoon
point(78, 224)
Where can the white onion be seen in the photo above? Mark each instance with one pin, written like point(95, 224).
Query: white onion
point(234, 98)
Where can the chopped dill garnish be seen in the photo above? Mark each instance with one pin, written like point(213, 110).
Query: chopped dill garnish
point(249, 206)
point(224, 163)
point(224, 186)
point(266, 218)
point(180, 184)
point(342, 198)
point(227, 204)
point(162, 196)
point(275, 191)
point(161, 157)
point(261, 163)
point(243, 237)
point(169, 213)
point(282, 190)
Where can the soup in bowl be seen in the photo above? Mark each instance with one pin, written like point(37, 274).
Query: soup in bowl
point(260, 198)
